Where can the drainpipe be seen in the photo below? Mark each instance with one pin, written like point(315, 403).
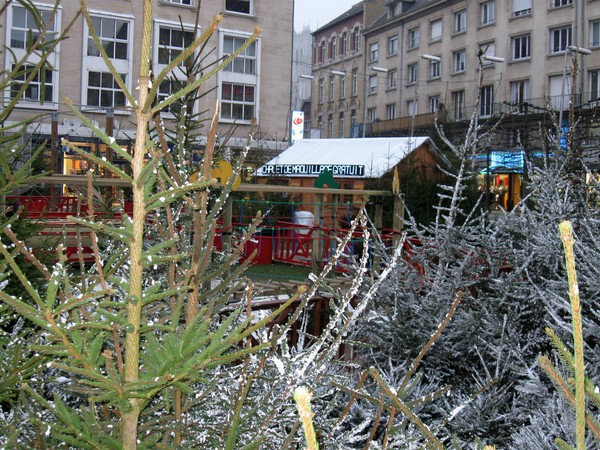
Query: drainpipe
point(401, 71)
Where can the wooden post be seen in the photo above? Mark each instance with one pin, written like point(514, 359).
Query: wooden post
point(398, 222)
point(317, 242)
point(317, 328)
point(110, 123)
point(54, 158)
point(110, 120)
point(227, 223)
point(378, 221)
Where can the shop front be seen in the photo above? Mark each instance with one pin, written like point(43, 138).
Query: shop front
point(500, 177)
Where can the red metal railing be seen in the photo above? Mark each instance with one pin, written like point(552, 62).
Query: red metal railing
point(286, 242)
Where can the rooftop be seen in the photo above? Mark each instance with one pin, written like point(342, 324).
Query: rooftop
point(347, 158)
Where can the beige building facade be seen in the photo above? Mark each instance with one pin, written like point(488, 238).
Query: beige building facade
point(256, 86)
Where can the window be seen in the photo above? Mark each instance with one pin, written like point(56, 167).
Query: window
point(331, 87)
point(460, 21)
point(435, 30)
point(239, 80)
point(559, 85)
point(412, 107)
point(372, 84)
point(245, 62)
point(595, 33)
point(334, 43)
point(487, 49)
point(99, 86)
point(521, 47)
point(180, 2)
point(371, 115)
point(458, 105)
point(558, 3)
point(392, 45)
point(354, 81)
point(390, 112)
point(171, 43)
point(459, 61)
point(102, 90)
point(347, 198)
point(434, 103)
point(114, 37)
point(23, 31)
point(322, 50)
point(560, 38)
point(321, 90)
point(413, 73)
point(23, 22)
point(486, 102)
point(519, 92)
point(357, 38)
point(414, 37)
point(344, 43)
point(343, 87)
point(330, 126)
point(435, 69)
point(488, 12)
point(166, 89)
point(521, 7)
point(237, 101)
point(342, 125)
point(40, 88)
point(594, 85)
point(392, 77)
point(239, 6)
point(374, 51)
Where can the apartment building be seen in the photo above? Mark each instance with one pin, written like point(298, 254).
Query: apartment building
point(438, 53)
point(256, 86)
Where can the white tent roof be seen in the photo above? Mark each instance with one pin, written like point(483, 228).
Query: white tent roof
point(377, 156)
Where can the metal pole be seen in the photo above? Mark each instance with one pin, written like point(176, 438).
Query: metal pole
point(562, 101)
point(54, 157)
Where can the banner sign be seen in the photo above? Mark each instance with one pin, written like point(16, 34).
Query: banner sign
point(338, 170)
point(297, 126)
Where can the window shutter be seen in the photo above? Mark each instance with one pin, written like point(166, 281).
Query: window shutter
point(520, 5)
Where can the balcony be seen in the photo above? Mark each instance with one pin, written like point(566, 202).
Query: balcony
point(420, 121)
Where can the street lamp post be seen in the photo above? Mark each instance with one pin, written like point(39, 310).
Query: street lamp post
point(431, 59)
point(366, 93)
point(482, 58)
point(568, 49)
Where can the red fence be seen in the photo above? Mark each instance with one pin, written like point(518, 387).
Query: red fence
point(285, 242)
point(41, 207)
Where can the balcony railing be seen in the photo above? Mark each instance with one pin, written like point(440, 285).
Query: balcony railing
point(530, 106)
